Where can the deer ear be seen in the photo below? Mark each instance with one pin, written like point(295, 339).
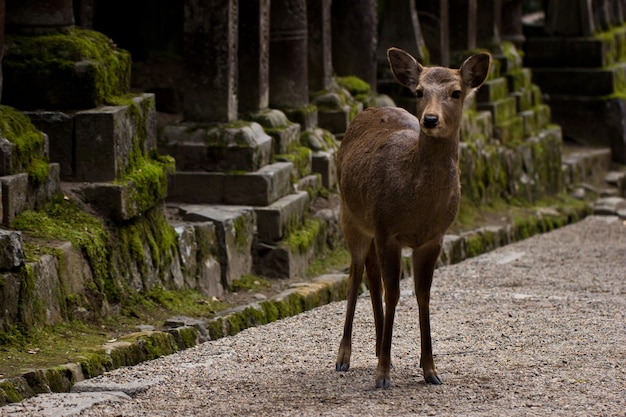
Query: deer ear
point(405, 68)
point(475, 69)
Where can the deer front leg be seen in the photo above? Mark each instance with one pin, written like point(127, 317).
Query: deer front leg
point(424, 260)
point(389, 260)
point(345, 347)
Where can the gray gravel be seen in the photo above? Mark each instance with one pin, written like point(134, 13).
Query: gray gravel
point(534, 328)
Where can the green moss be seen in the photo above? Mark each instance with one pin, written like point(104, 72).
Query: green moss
point(28, 155)
point(216, 329)
point(250, 283)
point(302, 238)
point(354, 85)
point(95, 364)
point(475, 245)
point(59, 52)
point(300, 157)
point(13, 395)
point(158, 344)
point(271, 311)
point(186, 302)
point(241, 229)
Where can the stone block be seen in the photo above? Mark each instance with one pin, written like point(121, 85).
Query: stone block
point(199, 252)
point(510, 131)
point(11, 250)
point(306, 117)
point(492, 90)
point(276, 124)
point(530, 124)
point(476, 125)
point(544, 115)
point(235, 229)
point(19, 194)
point(283, 261)
point(284, 136)
point(519, 80)
point(274, 221)
point(10, 311)
point(336, 121)
point(105, 138)
point(324, 164)
point(523, 99)
point(59, 127)
point(222, 148)
point(501, 110)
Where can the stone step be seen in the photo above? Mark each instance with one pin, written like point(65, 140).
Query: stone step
point(519, 80)
point(259, 188)
point(588, 82)
point(275, 123)
point(586, 165)
point(275, 220)
point(241, 146)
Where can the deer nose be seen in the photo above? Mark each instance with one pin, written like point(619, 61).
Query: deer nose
point(430, 121)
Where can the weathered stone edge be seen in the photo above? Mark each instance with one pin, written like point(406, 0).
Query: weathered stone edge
point(143, 346)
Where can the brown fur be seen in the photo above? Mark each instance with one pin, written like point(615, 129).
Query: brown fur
point(399, 182)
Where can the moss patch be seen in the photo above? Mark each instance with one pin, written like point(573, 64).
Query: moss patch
point(62, 220)
point(105, 73)
point(28, 155)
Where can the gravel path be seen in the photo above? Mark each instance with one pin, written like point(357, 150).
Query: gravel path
point(534, 328)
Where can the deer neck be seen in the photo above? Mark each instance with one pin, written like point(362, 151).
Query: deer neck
point(435, 150)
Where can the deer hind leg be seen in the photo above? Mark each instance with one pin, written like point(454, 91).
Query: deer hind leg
point(389, 261)
point(424, 260)
point(374, 284)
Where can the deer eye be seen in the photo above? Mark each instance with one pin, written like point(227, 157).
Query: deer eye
point(419, 93)
point(456, 94)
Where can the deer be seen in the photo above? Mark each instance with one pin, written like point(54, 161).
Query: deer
point(399, 185)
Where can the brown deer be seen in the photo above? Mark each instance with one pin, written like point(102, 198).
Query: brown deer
point(399, 181)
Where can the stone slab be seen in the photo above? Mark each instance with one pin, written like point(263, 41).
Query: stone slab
point(273, 221)
point(235, 228)
point(259, 188)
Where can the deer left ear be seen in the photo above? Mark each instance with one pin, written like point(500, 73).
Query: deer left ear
point(475, 70)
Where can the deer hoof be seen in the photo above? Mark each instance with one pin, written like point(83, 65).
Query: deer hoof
point(384, 383)
point(433, 379)
point(342, 367)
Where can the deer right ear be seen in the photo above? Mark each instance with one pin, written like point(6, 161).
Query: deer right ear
point(404, 67)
